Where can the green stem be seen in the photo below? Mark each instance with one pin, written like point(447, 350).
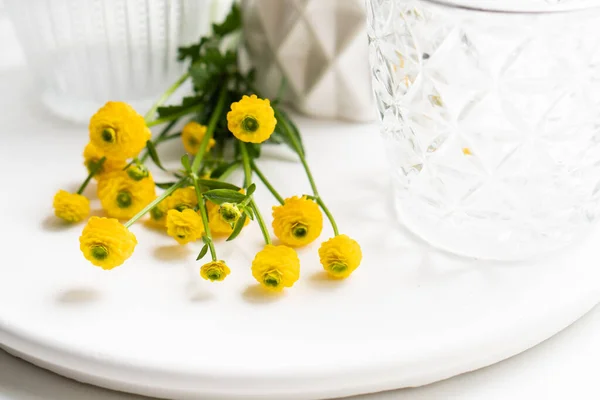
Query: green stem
point(165, 96)
point(204, 215)
point(309, 175)
point(329, 215)
point(266, 182)
point(93, 171)
point(246, 164)
point(261, 222)
point(159, 138)
point(155, 202)
point(210, 129)
point(175, 116)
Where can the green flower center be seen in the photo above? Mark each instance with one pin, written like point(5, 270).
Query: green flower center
point(99, 252)
point(193, 141)
point(299, 231)
point(272, 279)
point(338, 267)
point(124, 199)
point(182, 206)
point(137, 172)
point(156, 213)
point(214, 274)
point(109, 135)
point(250, 124)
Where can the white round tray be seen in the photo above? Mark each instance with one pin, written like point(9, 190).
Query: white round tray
point(409, 315)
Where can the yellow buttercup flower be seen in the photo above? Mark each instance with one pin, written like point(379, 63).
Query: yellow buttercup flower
point(276, 267)
point(106, 243)
point(118, 131)
point(182, 198)
point(298, 221)
point(71, 207)
point(217, 224)
point(184, 226)
point(251, 119)
point(92, 156)
point(214, 271)
point(122, 197)
point(340, 256)
point(230, 213)
point(192, 135)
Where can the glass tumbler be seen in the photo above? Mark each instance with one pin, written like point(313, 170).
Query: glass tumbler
point(86, 52)
point(491, 115)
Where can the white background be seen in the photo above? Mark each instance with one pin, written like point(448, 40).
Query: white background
point(564, 367)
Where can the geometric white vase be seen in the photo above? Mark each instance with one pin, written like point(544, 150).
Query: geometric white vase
point(320, 47)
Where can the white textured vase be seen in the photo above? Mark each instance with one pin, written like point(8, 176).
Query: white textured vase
point(320, 47)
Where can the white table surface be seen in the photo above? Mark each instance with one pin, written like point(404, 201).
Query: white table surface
point(563, 367)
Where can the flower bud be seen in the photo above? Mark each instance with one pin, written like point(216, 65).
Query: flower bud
point(137, 172)
point(230, 212)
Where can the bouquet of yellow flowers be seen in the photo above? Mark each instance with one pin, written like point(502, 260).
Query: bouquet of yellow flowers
point(199, 203)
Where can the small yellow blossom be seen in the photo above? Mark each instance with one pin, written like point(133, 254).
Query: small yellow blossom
point(340, 256)
point(251, 119)
point(467, 151)
point(106, 243)
point(92, 156)
point(298, 221)
point(276, 267)
point(118, 131)
point(192, 135)
point(71, 207)
point(122, 197)
point(182, 198)
point(214, 271)
point(184, 226)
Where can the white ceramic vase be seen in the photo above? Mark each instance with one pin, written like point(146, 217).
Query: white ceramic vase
point(320, 48)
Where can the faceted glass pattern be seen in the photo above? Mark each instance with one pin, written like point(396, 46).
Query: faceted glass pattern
point(492, 123)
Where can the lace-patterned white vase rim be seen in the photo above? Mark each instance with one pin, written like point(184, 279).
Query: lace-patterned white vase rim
point(519, 6)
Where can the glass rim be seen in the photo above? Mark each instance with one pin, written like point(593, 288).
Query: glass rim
point(516, 9)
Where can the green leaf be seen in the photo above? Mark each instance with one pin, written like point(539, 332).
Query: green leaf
point(202, 74)
point(186, 103)
point(128, 165)
point(232, 22)
point(202, 252)
point(193, 51)
point(248, 211)
point(154, 154)
point(220, 196)
point(223, 168)
point(237, 228)
point(185, 161)
point(211, 184)
point(164, 185)
point(250, 190)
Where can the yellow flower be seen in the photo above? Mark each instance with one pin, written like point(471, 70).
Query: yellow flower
point(105, 242)
point(182, 198)
point(276, 267)
point(118, 131)
point(122, 197)
point(158, 215)
point(192, 135)
point(230, 213)
point(71, 207)
point(214, 271)
point(92, 156)
point(251, 119)
point(219, 226)
point(298, 221)
point(340, 256)
point(184, 226)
